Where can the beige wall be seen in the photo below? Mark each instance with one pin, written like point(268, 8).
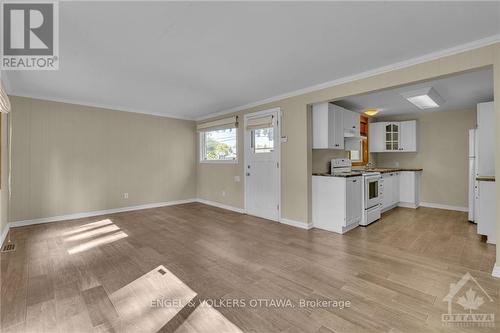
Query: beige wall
point(297, 155)
point(4, 194)
point(496, 71)
point(321, 159)
point(296, 167)
point(70, 159)
point(442, 152)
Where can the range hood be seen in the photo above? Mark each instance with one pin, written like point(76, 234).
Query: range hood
point(350, 136)
point(353, 142)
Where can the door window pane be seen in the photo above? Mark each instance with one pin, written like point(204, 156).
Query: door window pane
point(263, 139)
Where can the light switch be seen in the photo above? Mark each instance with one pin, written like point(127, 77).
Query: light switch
point(237, 179)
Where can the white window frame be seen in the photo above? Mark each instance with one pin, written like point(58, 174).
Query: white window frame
point(360, 153)
point(201, 142)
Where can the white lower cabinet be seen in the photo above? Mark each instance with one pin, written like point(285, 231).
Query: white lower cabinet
point(390, 193)
point(353, 196)
point(486, 210)
point(400, 189)
point(387, 191)
point(409, 189)
point(336, 203)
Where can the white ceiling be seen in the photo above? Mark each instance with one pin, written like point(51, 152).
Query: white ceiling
point(459, 92)
point(192, 59)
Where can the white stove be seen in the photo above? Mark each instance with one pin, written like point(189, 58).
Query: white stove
point(371, 197)
point(340, 165)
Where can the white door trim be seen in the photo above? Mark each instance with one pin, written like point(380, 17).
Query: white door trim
point(245, 152)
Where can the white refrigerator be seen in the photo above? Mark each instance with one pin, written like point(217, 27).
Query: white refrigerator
point(473, 197)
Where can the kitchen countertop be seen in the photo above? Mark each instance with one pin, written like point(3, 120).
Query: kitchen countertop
point(387, 170)
point(358, 172)
point(343, 174)
point(485, 178)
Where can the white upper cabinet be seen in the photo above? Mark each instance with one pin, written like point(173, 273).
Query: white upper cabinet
point(392, 136)
point(351, 122)
point(328, 126)
point(408, 136)
point(400, 136)
point(376, 135)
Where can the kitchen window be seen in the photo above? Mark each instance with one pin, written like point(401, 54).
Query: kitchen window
point(357, 154)
point(360, 156)
point(219, 141)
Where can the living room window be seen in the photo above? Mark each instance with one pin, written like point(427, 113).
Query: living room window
point(219, 140)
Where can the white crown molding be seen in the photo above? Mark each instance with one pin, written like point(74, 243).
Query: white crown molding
point(98, 105)
point(446, 207)
point(403, 64)
point(381, 70)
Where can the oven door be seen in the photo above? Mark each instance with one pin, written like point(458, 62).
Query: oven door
point(371, 192)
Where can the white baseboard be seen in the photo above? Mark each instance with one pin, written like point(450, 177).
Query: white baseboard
point(496, 271)
point(75, 216)
point(447, 207)
point(220, 205)
point(4, 234)
point(407, 205)
point(296, 224)
point(97, 213)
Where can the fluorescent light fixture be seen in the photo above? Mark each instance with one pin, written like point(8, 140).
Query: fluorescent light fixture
point(371, 112)
point(425, 98)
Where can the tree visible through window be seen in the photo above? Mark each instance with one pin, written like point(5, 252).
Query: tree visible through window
point(219, 145)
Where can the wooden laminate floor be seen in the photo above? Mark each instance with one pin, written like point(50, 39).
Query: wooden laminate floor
point(196, 268)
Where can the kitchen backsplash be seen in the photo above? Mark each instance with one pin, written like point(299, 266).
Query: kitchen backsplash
point(321, 159)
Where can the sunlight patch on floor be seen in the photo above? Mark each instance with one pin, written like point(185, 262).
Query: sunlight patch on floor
point(151, 301)
point(87, 226)
point(92, 233)
point(97, 242)
point(207, 319)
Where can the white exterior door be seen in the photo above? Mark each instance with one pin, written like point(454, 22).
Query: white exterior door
point(262, 169)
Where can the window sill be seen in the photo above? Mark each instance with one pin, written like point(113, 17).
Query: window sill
point(219, 162)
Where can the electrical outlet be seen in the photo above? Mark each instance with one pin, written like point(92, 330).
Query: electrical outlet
point(125, 195)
